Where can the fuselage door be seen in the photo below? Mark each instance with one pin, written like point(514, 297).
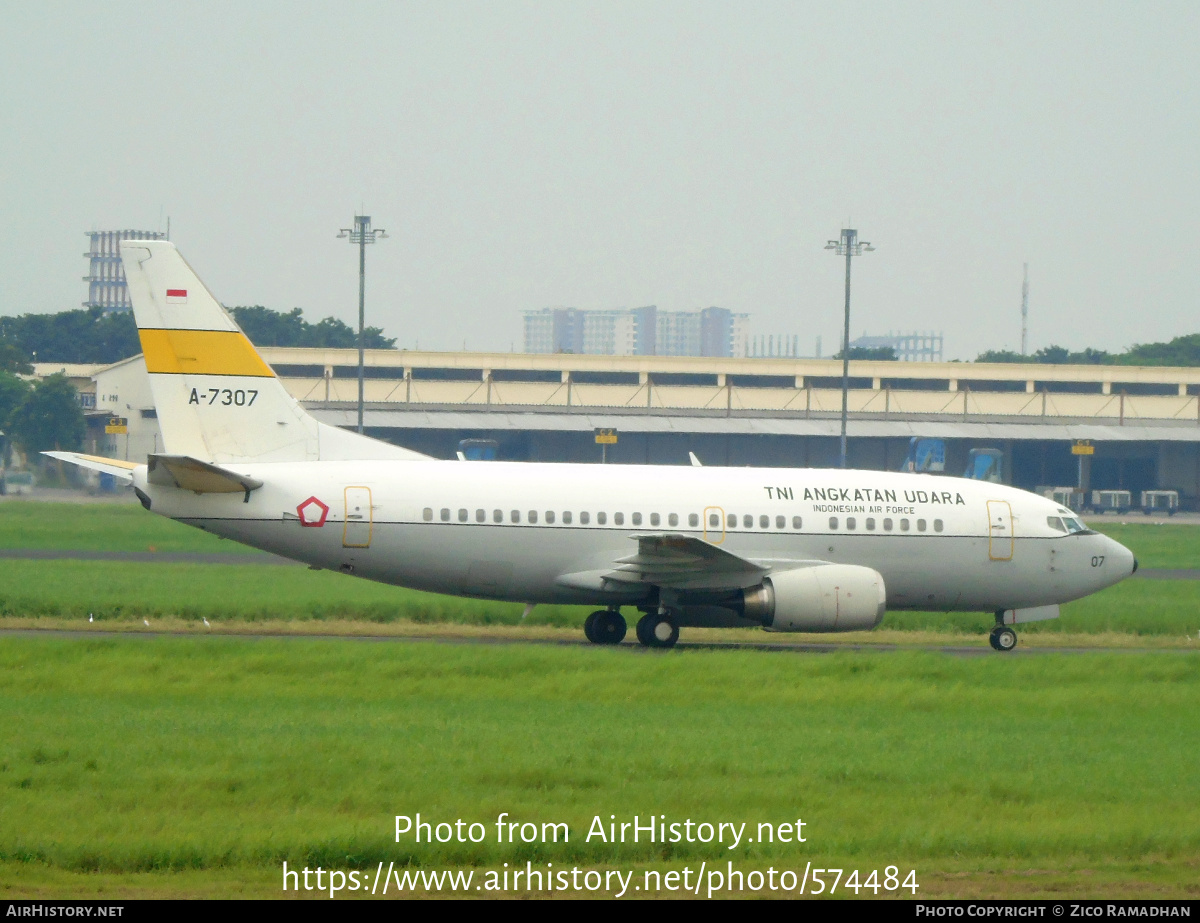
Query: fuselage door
point(357, 531)
point(1000, 530)
point(714, 524)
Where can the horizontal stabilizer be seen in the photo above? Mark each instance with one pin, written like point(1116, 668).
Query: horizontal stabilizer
point(114, 466)
point(199, 476)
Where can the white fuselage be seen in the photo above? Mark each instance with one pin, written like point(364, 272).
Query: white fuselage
point(514, 531)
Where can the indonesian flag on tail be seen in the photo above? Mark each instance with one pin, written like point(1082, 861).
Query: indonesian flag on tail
point(177, 296)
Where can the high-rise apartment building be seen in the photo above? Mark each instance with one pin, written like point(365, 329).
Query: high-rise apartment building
point(644, 331)
point(106, 278)
point(908, 347)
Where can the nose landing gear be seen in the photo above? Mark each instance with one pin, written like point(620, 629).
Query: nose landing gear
point(1002, 637)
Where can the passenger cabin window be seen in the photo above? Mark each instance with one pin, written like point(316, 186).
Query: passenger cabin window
point(549, 517)
point(887, 525)
point(636, 519)
point(445, 514)
point(937, 525)
point(515, 515)
point(693, 519)
point(480, 515)
point(870, 525)
point(764, 522)
point(903, 525)
point(714, 521)
point(427, 514)
point(920, 525)
point(497, 515)
point(618, 519)
point(851, 522)
point(584, 518)
point(462, 515)
point(655, 519)
point(797, 522)
point(833, 522)
point(567, 518)
point(673, 519)
point(780, 522)
point(732, 520)
point(533, 517)
point(747, 522)
point(601, 518)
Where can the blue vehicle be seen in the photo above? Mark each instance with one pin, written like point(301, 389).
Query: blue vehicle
point(925, 456)
point(928, 456)
point(478, 449)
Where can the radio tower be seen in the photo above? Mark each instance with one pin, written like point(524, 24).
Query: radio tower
point(1025, 312)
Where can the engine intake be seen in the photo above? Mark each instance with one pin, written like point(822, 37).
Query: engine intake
point(828, 597)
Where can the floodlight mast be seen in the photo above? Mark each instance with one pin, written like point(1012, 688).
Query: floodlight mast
point(848, 246)
point(361, 234)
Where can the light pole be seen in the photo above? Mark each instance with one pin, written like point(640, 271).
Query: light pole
point(849, 246)
point(362, 235)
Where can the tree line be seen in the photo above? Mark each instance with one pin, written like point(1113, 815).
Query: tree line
point(1181, 351)
point(38, 416)
point(88, 335)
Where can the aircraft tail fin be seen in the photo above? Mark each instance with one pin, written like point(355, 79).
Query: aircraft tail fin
point(217, 399)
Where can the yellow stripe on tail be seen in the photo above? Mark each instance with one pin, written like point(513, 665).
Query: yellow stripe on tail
point(201, 352)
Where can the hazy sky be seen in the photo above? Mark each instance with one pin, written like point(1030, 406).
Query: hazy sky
point(606, 155)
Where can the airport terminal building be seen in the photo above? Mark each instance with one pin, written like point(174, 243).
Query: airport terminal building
point(1143, 423)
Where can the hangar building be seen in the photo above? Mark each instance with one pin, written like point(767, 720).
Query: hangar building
point(1144, 422)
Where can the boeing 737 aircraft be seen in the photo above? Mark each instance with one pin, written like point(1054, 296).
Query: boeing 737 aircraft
point(797, 550)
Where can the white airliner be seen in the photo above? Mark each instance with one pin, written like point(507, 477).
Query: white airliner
point(786, 549)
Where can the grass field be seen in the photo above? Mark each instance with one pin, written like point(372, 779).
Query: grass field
point(198, 765)
point(193, 766)
point(101, 527)
point(116, 592)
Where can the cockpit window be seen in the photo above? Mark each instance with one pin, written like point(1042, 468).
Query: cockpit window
point(1074, 525)
point(1071, 525)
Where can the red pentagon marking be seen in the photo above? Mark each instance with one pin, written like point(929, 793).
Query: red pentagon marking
point(312, 512)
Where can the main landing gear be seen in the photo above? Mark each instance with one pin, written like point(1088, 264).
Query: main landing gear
point(654, 629)
point(1002, 637)
point(657, 629)
point(605, 627)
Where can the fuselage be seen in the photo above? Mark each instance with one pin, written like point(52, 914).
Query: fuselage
point(514, 531)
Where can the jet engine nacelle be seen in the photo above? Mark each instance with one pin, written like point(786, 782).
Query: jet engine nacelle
point(828, 597)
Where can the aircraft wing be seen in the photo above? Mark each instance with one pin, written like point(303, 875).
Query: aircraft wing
point(201, 477)
point(685, 563)
point(114, 466)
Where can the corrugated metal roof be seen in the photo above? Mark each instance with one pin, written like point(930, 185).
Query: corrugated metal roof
point(750, 426)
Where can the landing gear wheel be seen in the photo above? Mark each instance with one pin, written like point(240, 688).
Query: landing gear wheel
point(1003, 638)
point(589, 626)
point(606, 627)
point(657, 630)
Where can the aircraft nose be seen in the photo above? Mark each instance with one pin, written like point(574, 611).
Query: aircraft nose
point(1119, 560)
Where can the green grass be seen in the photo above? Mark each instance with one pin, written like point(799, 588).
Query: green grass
point(243, 592)
point(101, 527)
point(151, 755)
point(1156, 545)
point(1134, 607)
point(252, 593)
